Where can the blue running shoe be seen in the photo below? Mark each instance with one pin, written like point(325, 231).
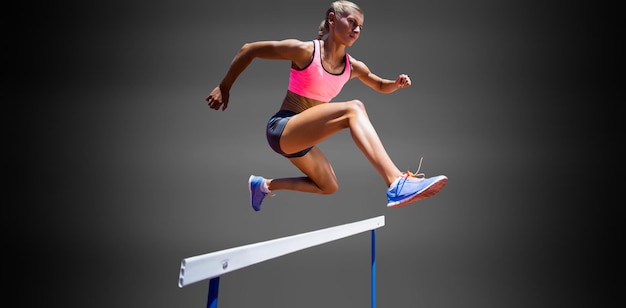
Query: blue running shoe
point(410, 187)
point(256, 194)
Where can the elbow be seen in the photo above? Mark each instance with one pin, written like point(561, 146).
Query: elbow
point(245, 49)
point(244, 53)
point(245, 46)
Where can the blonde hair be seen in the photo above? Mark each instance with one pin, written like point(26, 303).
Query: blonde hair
point(337, 7)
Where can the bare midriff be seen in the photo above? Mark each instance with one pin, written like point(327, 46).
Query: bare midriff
point(297, 103)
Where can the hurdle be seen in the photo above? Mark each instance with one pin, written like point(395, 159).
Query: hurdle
point(213, 265)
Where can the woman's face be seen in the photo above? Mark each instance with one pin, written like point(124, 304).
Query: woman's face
point(347, 27)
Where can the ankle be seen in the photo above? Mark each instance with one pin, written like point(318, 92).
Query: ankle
point(266, 186)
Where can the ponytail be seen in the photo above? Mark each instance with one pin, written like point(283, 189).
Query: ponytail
point(323, 29)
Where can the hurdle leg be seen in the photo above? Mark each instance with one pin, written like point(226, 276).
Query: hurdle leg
point(214, 285)
point(373, 268)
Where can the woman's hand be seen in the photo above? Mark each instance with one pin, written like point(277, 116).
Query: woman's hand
point(403, 81)
point(218, 98)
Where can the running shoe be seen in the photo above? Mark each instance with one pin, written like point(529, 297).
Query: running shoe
point(256, 194)
point(410, 187)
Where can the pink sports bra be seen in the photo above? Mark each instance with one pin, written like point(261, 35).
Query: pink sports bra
point(315, 82)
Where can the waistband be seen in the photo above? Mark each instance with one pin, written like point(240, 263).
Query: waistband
point(284, 114)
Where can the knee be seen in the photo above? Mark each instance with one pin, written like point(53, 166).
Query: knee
point(329, 187)
point(355, 109)
point(356, 106)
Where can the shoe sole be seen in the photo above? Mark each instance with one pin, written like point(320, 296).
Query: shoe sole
point(250, 191)
point(430, 191)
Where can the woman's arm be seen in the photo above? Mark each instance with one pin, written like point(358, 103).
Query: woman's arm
point(382, 85)
point(290, 49)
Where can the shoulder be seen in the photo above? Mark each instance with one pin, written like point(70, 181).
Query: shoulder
point(299, 52)
point(289, 49)
point(294, 44)
point(282, 44)
point(359, 68)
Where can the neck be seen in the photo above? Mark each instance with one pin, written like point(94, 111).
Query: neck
point(332, 51)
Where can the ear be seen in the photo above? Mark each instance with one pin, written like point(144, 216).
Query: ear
point(331, 17)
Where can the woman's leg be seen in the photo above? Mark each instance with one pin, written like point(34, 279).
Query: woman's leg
point(316, 124)
point(320, 177)
point(313, 126)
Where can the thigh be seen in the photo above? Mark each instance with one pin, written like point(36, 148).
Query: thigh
point(316, 167)
point(314, 125)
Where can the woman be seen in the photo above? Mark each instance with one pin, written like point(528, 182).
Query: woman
point(319, 69)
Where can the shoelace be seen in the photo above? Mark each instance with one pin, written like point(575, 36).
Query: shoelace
point(417, 175)
point(269, 194)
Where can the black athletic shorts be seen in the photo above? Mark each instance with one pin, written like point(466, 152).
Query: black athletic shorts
point(275, 127)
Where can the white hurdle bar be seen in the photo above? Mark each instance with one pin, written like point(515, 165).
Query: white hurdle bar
point(213, 265)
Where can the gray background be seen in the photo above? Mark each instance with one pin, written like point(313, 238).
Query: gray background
point(118, 170)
